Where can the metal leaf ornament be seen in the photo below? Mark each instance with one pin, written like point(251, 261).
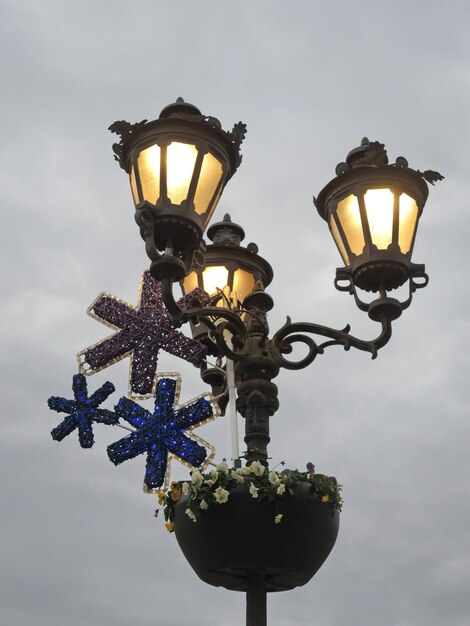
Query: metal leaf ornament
point(162, 434)
point(431, 176)
point(141, 332)
point(82, 411)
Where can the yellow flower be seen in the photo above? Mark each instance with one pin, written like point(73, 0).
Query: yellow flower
point(175, 494)
point(253, 491)
point(257, 468)
point(161, 497)
point(196, 478)
point(274, 478)
point(222, 467)
point(238, 477)
point(221, 495)
point(191, 515)
point(169, 526)
point(325, 499)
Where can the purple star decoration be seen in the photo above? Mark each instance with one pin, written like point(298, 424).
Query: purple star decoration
point(142, 332)
point(163, 433)
point(82, 411)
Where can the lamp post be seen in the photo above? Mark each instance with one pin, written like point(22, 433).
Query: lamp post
point(178, 167)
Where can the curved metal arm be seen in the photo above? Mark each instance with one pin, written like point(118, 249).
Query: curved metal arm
point(176, 312)
point(144, 220)
point(208, 316)
point(281, 343)
point(286, 336)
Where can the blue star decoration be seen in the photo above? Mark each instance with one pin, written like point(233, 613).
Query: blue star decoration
point(162, 434)
point(82, 411)
point(141, 332)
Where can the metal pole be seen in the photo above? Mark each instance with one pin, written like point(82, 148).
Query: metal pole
point(232, 399)
point(256, 600)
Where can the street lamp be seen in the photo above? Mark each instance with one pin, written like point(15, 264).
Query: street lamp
point(230, 270)
point(372, 209)
point(178, 166)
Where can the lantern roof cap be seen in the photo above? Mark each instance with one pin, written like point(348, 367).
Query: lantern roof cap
point(226, 233)
point(368, 153)
point(178, 107)
point(178, 114)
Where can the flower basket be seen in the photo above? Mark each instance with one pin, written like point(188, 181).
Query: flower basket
point(231, 540)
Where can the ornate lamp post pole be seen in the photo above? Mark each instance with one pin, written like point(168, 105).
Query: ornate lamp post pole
point(178, 166)
point(372, 209)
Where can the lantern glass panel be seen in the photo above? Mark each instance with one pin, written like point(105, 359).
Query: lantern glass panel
point(350, 219)
point(148, 163)
point(243, 284)
point(135, 195)
point(180, 161)
point(339, 242)
point(214, 204)
point(215, 278)
point(209, 178)
point(379, 207)
point(408, 222)
point(190, 282)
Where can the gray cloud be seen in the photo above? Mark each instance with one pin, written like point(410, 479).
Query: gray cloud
point(80, 544)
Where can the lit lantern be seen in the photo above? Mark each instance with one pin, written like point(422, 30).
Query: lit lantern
point(230, 270)
point(372, 210)
point(178, 165)
point(229, 275)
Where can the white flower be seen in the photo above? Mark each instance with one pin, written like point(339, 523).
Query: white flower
point(278, 518)
point(253, 490)
point(191, 515)
point(203, 505)
point(209, 482)
point(214, 475)
point(197, 478)
point(185, 488)
point(274, 478)
point(280, 490)
point(222, 467)
point(221, 495)
point(257, 468)
point(238, 477)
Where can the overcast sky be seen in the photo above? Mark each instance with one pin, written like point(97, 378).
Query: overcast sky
point(310, 79)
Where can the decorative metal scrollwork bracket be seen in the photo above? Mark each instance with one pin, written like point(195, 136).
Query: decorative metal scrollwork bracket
point(383, 306)
point(291, 333)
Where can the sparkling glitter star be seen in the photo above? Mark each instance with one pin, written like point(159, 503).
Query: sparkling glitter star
point(162, 434)
point(82, 411)
point(142, 331)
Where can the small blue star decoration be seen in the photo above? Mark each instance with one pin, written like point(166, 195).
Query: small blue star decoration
point(162, 434)
point(82, 411)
